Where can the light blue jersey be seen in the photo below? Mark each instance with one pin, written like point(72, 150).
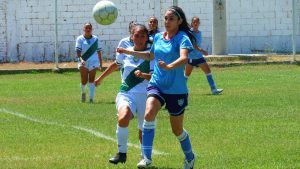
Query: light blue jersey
point(196, 54)
point(169, 81)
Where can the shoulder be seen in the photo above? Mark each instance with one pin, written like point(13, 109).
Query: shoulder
point(127, 39)
point(80, 38)
point(158, 36)
point(95, 37)
point(181, 35)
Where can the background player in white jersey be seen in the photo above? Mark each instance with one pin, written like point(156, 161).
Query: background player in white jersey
point(196, 58)
point(131, 99)
point(127, 42)
point(89, 59)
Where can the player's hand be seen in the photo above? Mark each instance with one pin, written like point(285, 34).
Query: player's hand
point(97, 82)
point(205, 53)
point(138, 73)
point(121, 50)
point(163, 65)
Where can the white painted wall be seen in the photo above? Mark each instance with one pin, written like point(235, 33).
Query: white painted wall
point(3, 37)
point(27, 27)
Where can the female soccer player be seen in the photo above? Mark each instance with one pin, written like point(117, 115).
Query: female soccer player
point(88, 51)
point(131, 100)
point(168, 83)
point(153, 27)
point(196, 57)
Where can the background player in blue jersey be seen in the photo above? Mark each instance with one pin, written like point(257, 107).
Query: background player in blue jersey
point(88, 51)
point(196, 57)
point(168, 82)
point(131, 99)
point(153, 27)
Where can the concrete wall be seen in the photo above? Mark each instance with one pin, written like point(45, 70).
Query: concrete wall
point(27, 27)
point(3, 37)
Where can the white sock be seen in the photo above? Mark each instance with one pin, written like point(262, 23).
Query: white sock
point(82, 88)
point(92, 90)
point(122, 136)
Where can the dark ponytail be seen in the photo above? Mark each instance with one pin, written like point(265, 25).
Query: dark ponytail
point(184, 26)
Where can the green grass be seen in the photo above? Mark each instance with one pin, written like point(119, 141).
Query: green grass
point(255, 123)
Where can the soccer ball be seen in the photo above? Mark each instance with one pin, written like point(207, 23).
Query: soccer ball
point(105, 12)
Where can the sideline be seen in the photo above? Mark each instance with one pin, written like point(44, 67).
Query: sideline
point(87, 130)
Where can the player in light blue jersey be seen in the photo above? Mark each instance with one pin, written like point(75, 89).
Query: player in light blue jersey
point(88, 51)
point(168, 83)
point(131, 99)
point(196, 58)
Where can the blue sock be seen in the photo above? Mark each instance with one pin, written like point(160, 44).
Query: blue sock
point(186, 145)
point(148, 137)
point(211, 81)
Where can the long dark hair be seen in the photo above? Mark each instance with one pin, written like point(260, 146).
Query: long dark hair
point(184, 26)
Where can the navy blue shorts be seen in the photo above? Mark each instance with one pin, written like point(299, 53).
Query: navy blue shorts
point(175, 103)
point(196, 62)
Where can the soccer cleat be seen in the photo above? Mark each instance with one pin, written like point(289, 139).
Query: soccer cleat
point(118, 158)
point(83, 97)
point(189, 164)
point(217, 91)
point(144, 163)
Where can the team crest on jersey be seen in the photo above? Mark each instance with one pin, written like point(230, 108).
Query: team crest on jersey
point(180, 102)
point(136, 59)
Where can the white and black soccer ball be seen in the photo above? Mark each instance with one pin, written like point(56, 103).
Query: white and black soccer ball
point(105, 12)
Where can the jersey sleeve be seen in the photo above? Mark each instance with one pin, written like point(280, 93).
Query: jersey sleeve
point(78, 45)
point(186, 43)
point(120, 59)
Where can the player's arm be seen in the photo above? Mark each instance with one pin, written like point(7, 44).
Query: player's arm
point(111, 68)
point(146, 55)
point(200, 49)
point(100, 59)
point(178, 62)
point(78, 52)
point(140, 74)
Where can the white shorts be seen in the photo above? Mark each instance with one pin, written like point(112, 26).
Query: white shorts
point(136, 102)
point(90, 65)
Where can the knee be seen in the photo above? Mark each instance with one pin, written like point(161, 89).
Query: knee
point(177, 131)
point(149, 114)
point(124, 117)
point(187, 74)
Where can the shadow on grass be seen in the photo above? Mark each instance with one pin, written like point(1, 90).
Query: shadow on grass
point(104, 102)
point(153, 167)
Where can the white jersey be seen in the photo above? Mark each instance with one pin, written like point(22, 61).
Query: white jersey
point(129, 64)
point(125, 43)
point(88, 47)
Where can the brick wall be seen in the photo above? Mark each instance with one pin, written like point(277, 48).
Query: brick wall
point(3, 39)
point(27, 27)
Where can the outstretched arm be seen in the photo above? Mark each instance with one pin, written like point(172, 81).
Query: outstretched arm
point(205, 53)
point(146, 55)
point(178, 62)
point(111, 68)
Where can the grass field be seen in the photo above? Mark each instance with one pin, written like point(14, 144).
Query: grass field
point(255, 123)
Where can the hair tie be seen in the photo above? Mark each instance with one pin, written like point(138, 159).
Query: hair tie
point(173, 10)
